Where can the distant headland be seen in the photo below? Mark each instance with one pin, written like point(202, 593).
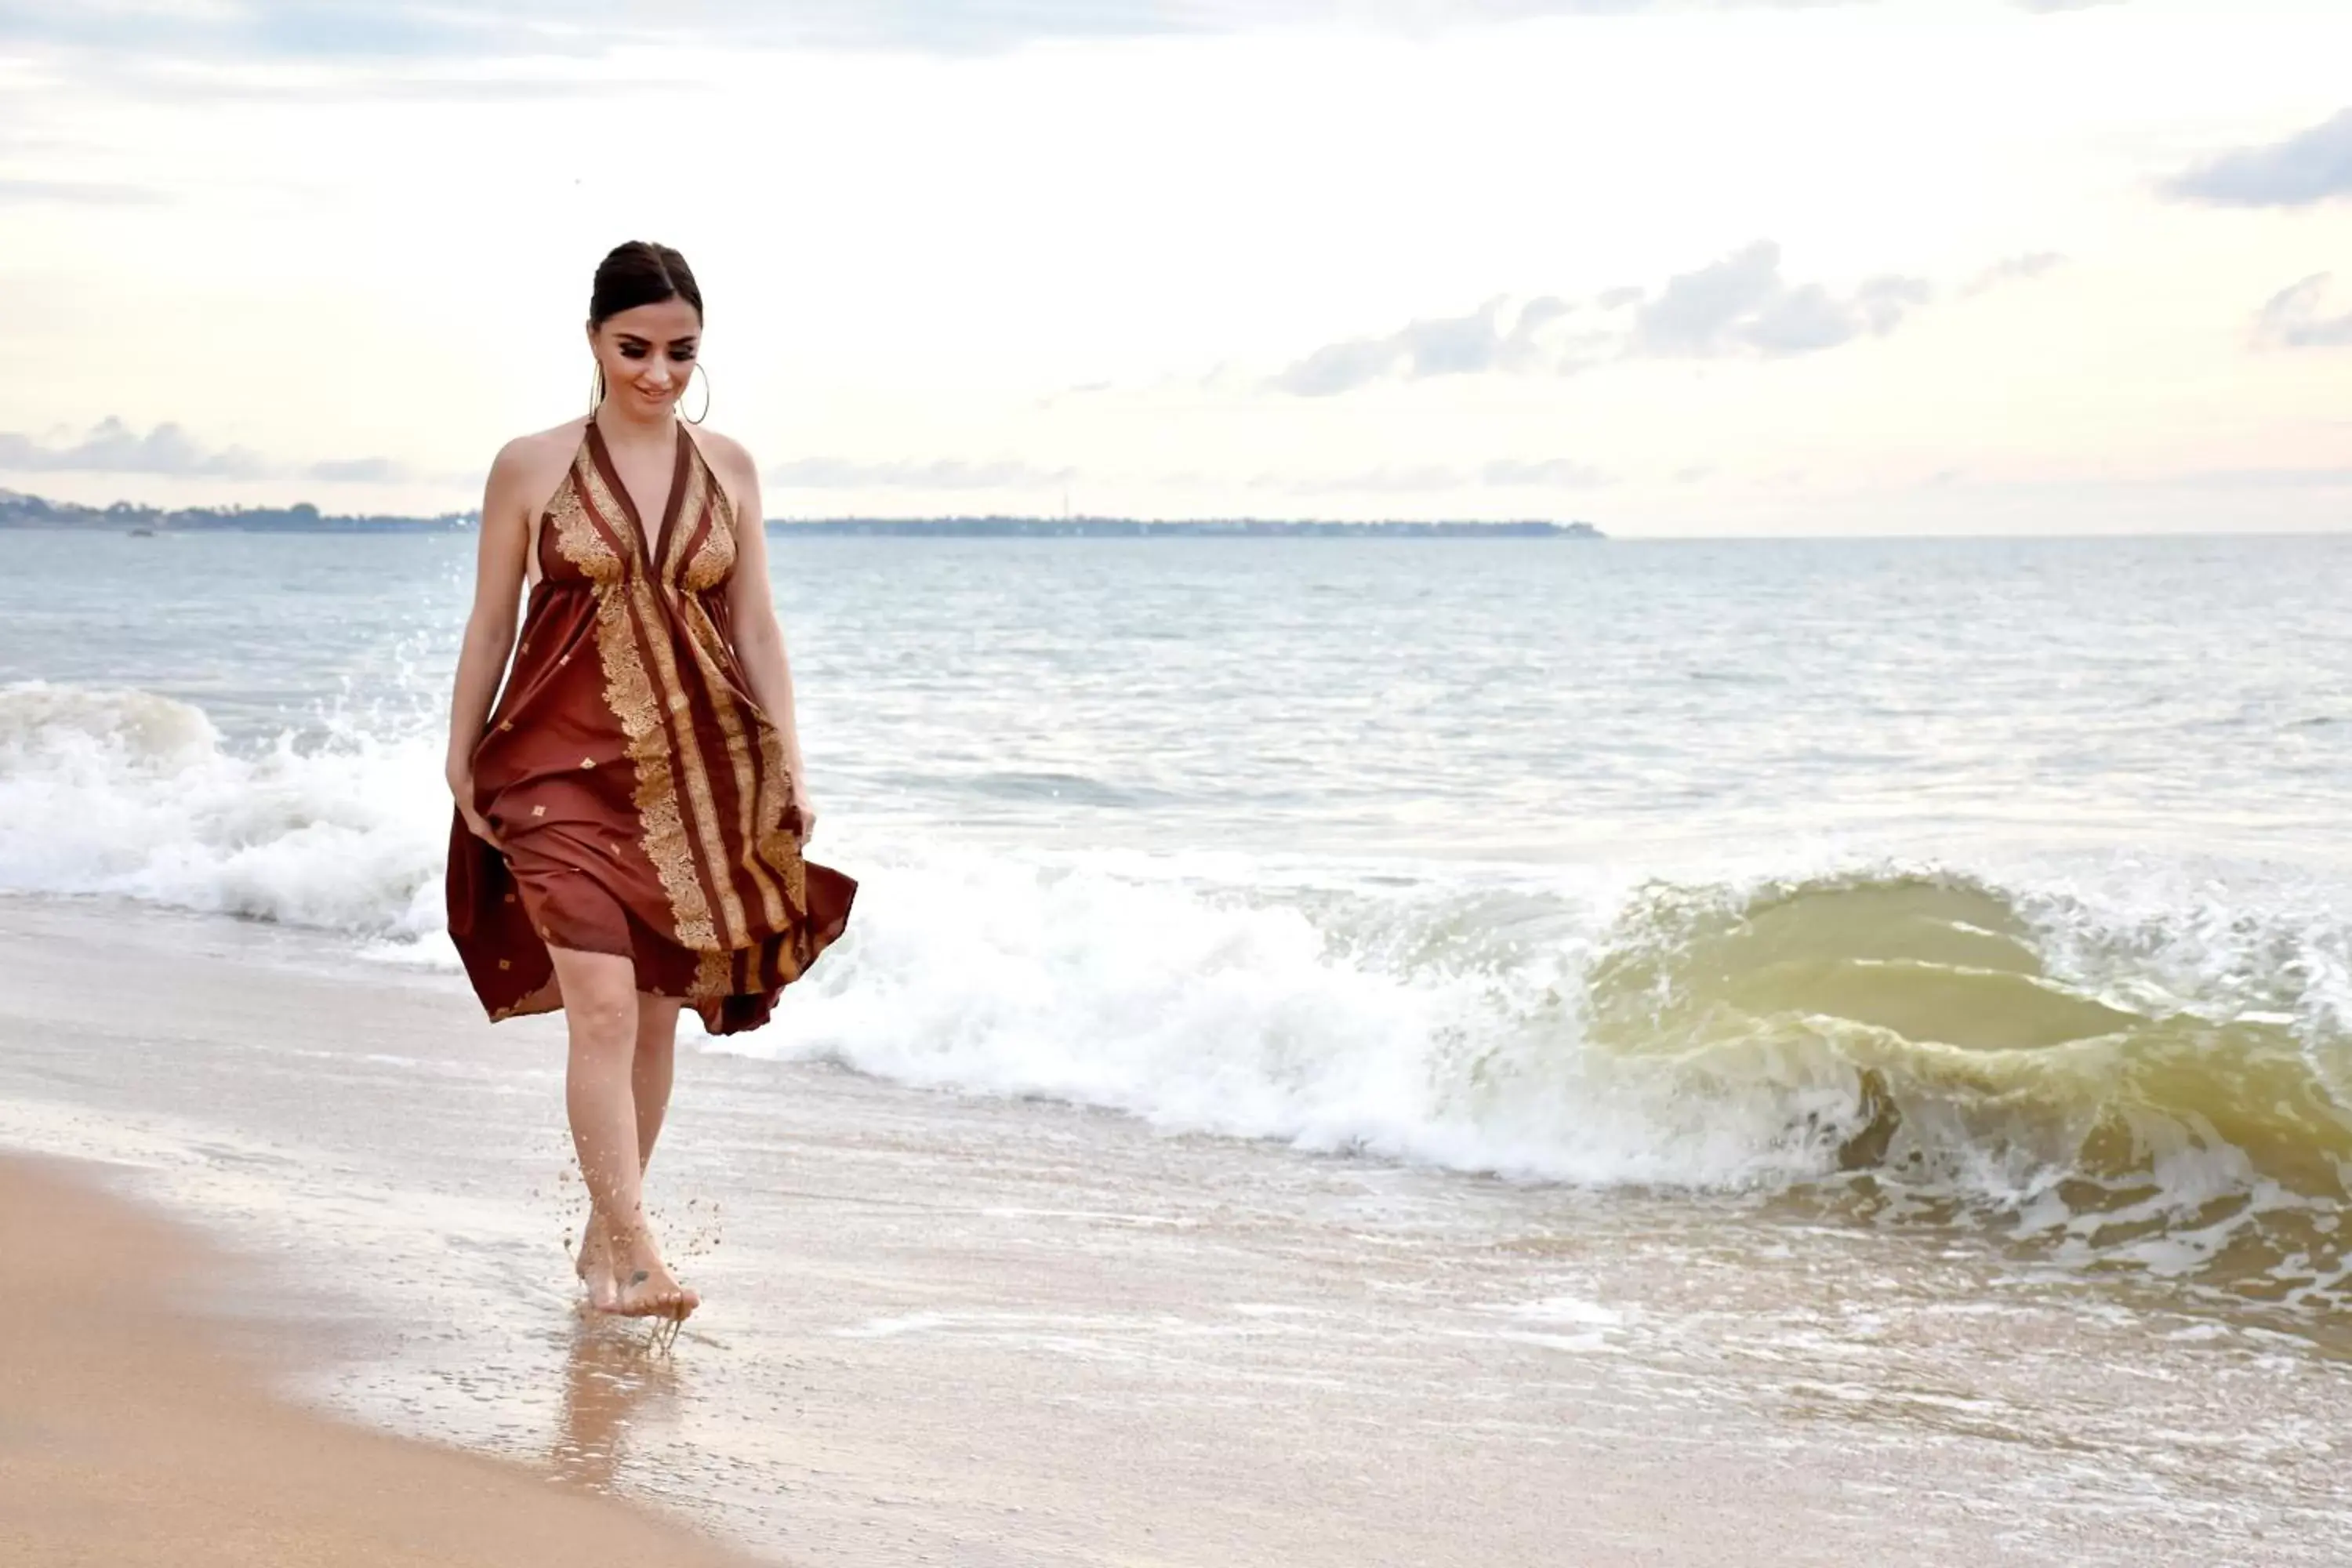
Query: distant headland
point(20, 510)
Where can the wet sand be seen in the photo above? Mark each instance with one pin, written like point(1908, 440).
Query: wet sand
point(986, 1332)
point(130, 1433)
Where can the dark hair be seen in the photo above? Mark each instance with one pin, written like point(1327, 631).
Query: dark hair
point(639, 273)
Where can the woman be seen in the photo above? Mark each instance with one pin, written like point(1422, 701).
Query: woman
point(629, 819)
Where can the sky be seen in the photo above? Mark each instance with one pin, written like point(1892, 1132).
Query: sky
point(1880, 267)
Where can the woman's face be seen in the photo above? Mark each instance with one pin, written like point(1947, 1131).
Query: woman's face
point(648, 353)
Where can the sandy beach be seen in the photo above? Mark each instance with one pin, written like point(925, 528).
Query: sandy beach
point(134, 1433)
point(974, 1330)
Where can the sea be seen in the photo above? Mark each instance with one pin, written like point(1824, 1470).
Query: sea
point(1961, 897)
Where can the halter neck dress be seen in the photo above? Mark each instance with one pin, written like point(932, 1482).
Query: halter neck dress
point(640, 792)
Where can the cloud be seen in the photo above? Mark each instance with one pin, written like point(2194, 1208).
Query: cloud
point(1551, 473)
point(2293, 319)
point(2307, 168)
point(377, 30)
point(357, 470)
point(1738, 307)
point(112, 447)
point(1445, 346)
point(75, 193)
point(304, 30)
point(2013, 270)
point(1741, 305)
point(938, 474)
point(1501, 473)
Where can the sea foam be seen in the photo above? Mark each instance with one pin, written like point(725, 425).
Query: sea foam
point(126, 793)
point(2118, 1062)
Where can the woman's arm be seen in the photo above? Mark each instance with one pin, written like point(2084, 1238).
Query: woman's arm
point(490, 628)
point(759, 640)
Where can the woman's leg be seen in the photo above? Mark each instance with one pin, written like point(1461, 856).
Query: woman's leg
point(650, 1072)
point(600, 1008)
point(656, 1063)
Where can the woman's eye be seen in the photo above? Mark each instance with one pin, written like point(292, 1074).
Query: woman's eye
point(633, 353)
point(684, 358)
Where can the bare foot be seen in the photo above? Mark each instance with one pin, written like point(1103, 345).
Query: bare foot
point(647, 1289)
point(593, 1264)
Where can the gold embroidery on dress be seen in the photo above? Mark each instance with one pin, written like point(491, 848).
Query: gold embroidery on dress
point(766, 846)
point(714, 978)
point(778, 846)
point(754, 792)
point(576, 538)
point(689, 513)
point(680, 763)
point(689, 759)
point(629, 693)
point(714, 558)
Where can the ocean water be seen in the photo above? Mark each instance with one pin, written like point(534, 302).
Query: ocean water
point(1932, 887)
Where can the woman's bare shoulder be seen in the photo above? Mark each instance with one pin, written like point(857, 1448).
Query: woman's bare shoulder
point(719, 448)
point(729, 459)
point(530, 466)
point(555, 444)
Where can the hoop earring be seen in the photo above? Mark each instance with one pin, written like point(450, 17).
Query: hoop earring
point(597, 391)
point(706, 396)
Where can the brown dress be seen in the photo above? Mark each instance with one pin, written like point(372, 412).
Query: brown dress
point(641, 793)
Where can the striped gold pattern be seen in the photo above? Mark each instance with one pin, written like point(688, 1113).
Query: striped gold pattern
point(630, 692)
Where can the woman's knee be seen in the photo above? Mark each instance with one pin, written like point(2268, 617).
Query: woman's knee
point(599, 997)
point(602, 1021)
point(657, 1025)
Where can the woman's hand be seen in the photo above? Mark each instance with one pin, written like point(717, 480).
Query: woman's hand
point(805, 809)
point(462, 786)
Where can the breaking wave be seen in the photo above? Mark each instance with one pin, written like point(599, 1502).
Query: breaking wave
point(2142, 1068)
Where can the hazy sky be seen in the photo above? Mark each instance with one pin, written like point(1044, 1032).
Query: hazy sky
point(1913, 266)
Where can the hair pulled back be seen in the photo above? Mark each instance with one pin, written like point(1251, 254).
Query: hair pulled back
point(641, 273)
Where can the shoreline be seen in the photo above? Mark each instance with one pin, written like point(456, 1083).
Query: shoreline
point(135, 1432)
point(1009, 1333)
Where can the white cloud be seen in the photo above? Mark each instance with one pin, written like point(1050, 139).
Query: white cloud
point(2022, 269)
point(1499, 473)
point(2295, 317)
point(1447, 346)
point(2305, 169)
point(112, 447)
point(382, 30)
point(934, 474)
point(1740, 306)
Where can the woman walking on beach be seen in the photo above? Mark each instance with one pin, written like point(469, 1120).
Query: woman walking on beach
point(629, 817)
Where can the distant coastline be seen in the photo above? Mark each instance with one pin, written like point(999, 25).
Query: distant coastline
point(1133, 528)
point(18, 510)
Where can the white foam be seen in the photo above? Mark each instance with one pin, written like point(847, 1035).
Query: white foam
point(1432, 1013)
point(1200, 1006)
point(125, 793)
